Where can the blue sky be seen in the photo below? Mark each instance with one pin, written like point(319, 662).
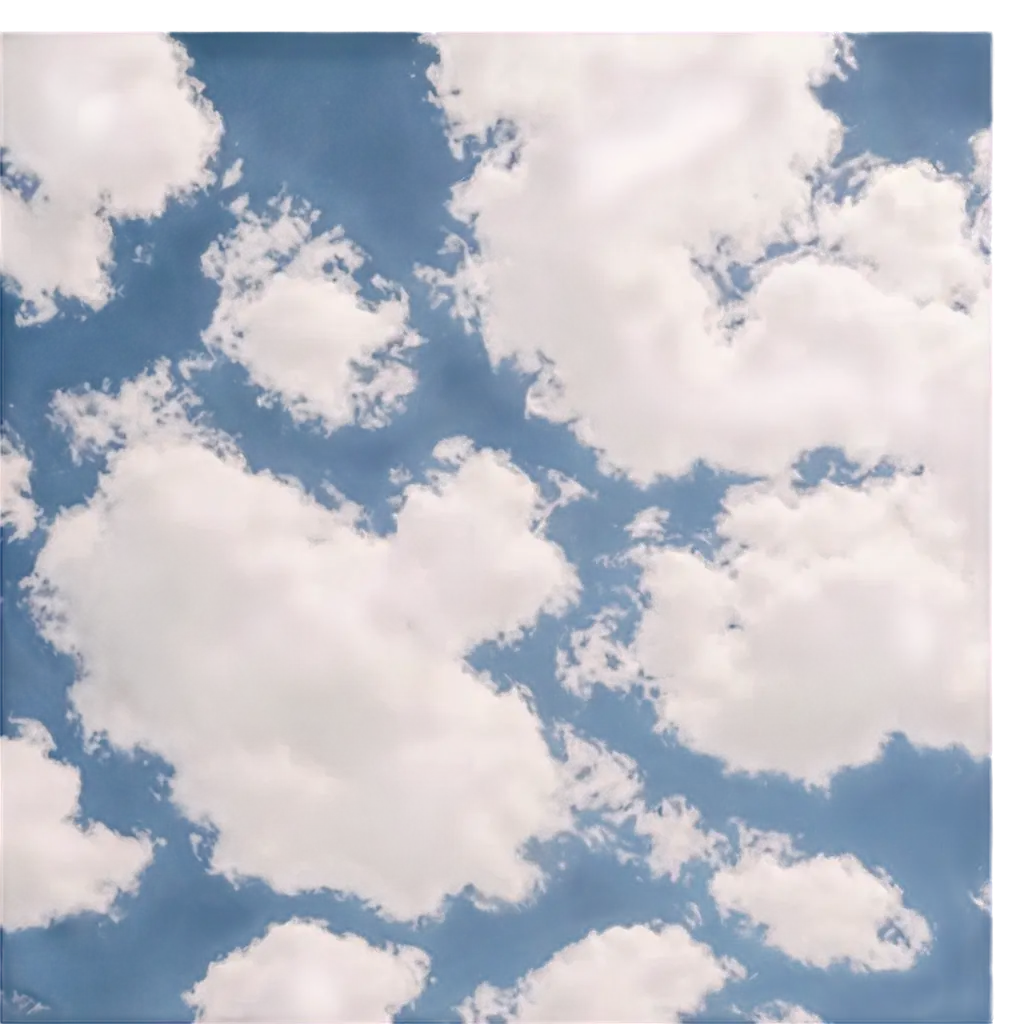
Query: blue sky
point(342, 119)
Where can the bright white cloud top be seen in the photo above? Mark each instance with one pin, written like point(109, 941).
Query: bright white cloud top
point(620, 975)
point(299, 971)
point(107, 128)
point(55, 867)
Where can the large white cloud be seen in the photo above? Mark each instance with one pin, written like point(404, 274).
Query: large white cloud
point(829, 619)
point(304, 677)
point(821, 910)
point(300, 973)
point(53, 867)
point(619, 976)
point(585, 272)
point(291, 312)
point(16, 505)
point(109, 127)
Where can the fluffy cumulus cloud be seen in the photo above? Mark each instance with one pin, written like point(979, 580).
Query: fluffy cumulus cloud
point(302, 674)
point(97, 128)
point(301, 972)
point(55, 867)
point(604, 276)
point(17, 509)
point(828, 620)
point(293, 315)
point(618, 976)
point(820, 910)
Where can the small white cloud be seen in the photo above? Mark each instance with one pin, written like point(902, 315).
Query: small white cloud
point(291, 312)
point(110, 127)
point(983, 898)
point(820, 910)
point(232, 176)
point(676, 837)
point(780, 1012)
point(301, 973)
point(53, 868)
point(648, 524)
point(17, 509)
point(619, 976)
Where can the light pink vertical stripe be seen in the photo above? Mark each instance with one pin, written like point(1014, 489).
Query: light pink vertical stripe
point(1010, 383)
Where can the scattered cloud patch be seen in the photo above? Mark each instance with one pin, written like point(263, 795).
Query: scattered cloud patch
point(301, 973)
point(106, 127)
point(53, 867)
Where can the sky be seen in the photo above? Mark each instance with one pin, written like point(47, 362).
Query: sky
point(496, 528)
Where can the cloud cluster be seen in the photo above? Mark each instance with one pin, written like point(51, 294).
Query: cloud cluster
point(291, 312)
point(97, 128)
point(299, 971)
point(615, 209)
point(625, 974)
point(53, 866)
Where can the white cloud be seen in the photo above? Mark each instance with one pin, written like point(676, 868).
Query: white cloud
point(17, 508)
point(820, 910)
point(648, 524)
point(619, 976)
point(300, 973)
point(781, 1012)
point(291, 312)
point(983, 898)
point(830, 619)
point(233, 175)
point(599, 778)
point(676, 836)
point(585, 273)
point(53, 867)
point(909, 231)
point(111, 127)
point(598, 657)
point(301, 674)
